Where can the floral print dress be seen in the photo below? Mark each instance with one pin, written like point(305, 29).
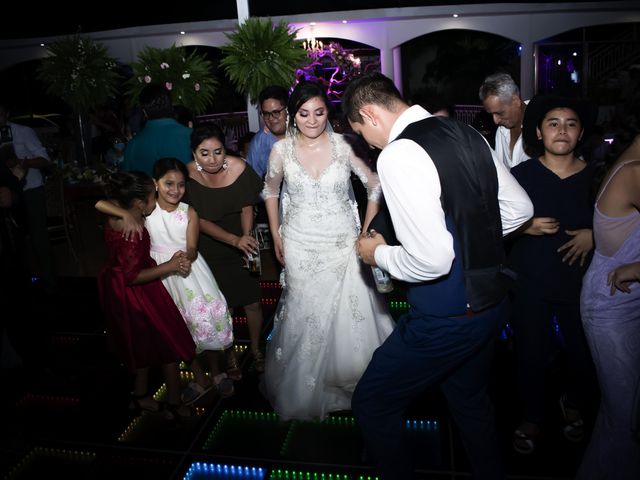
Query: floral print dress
point(197, 296)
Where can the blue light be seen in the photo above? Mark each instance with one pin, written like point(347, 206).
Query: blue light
point(203, 471)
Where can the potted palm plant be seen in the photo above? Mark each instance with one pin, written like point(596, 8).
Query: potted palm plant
point(261, 54)
point(81, 72)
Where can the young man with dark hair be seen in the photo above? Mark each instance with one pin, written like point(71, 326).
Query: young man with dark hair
point(450, 203)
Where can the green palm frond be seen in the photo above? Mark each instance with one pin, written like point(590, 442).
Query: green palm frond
point(189, 77)
point(261, 54)
point(79, 71)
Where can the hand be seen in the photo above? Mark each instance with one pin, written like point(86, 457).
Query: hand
point(279, 248)
point(130, 227)
point(180, 263)
point(247, 244)
point(543, 226)
point(579, 246)
point(623, 276)
point(18, 171)
point(367, 244)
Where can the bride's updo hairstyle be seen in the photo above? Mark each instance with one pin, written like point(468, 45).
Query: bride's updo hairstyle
point(302, 93)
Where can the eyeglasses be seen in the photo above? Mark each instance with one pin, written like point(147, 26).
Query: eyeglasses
point(273, 114)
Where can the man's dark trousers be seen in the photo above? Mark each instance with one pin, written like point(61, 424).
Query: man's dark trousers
point(452, 352)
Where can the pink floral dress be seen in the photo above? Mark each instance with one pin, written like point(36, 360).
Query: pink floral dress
point(197, 296)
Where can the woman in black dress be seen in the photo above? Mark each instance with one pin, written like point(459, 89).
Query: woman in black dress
point(223, 189)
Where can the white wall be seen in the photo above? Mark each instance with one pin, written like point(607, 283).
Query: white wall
point(384, 29)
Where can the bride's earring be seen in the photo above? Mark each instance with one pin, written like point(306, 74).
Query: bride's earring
point(198, 167)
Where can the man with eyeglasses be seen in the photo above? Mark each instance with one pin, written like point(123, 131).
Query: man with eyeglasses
point(273, 107)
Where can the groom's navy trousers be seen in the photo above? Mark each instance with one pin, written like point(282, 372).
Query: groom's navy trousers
point(452, 352)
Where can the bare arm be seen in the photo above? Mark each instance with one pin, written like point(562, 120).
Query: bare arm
point(248, 244)
point(372, 209)
point(245, 243)
point(623, 276)
point(129, 224)
point(271, 204)
point(193, 231)
point(178, 264)
point(371, 182)
point(216, 232)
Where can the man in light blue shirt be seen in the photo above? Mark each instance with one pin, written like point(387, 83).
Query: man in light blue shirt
point(273, 108)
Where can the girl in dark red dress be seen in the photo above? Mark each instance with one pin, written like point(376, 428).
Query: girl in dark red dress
point(144, 327)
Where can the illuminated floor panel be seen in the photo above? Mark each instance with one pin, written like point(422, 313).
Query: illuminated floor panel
point(204, 471)
point(44, 463)
point(247, 434)
point(336, 440)
point(76, 415)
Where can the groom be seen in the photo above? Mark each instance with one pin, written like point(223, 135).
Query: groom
point(450, 202)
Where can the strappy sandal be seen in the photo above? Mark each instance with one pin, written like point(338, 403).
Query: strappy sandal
point(177, 412)
point(223, 385)
point(573, 429)
point(524, 443)
point(233, 367)
point(193, 393)
point(139, 404)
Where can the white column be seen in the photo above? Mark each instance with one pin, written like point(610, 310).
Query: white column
point(386, 62)
point(243, 10)
point(527, 72)
point(397, 68)
point(252, 112)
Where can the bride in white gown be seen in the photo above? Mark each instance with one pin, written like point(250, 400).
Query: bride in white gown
point(330, 318)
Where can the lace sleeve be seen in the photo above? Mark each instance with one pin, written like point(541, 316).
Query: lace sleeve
point(275, 172)
point(368, 177)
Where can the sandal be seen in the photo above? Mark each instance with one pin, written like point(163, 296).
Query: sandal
point(144, 403)
point(224, 385)
point(258, 361)
point(193, 393)
point(573, 429)
point(524, 443)
point(177, 412)
point(233, 368)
